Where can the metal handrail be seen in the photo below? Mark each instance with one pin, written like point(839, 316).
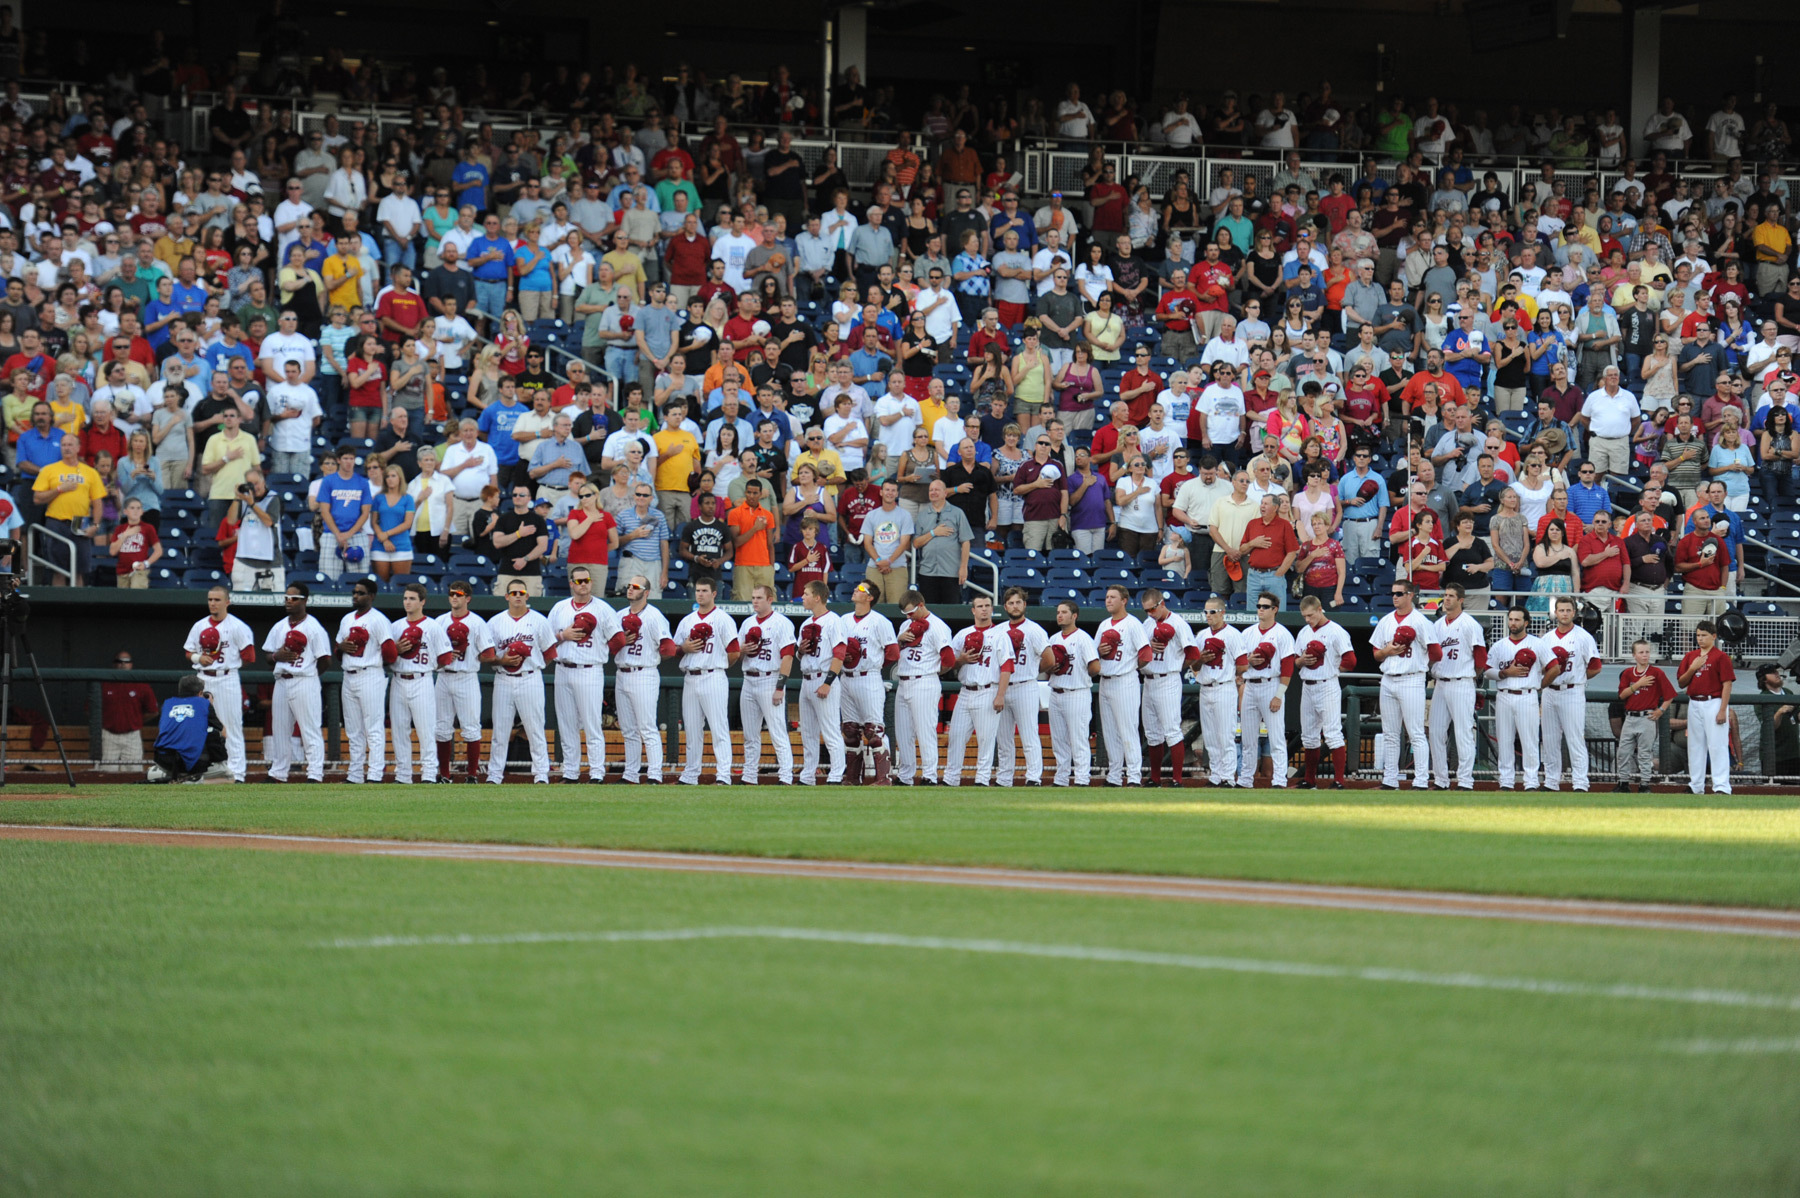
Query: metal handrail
point(34, 558)
point(992, 567)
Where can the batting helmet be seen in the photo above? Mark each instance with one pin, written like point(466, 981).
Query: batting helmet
point(209, 640)
point(295, 641)
point(1525, 657)
point(853, 653)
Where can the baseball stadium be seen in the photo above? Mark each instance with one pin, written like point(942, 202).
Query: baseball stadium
point(516, 563)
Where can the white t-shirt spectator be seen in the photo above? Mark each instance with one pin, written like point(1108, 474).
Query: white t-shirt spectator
point(852, 456)
point(898, 436)
point(732, 251)
point(278, 348)
point(451, 336)
point(293, 435)
point(469, 482)
point(400, 211)
point(1223, 409)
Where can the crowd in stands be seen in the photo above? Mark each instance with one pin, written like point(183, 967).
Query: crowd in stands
point(426, 347)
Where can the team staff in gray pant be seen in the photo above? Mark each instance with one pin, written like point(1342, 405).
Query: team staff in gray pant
point(1647, 693)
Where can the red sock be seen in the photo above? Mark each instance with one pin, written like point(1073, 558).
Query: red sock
point(1177, 754)
point(1156, 760)
point(1337, 761)
point(1310, 770)
point(444, 750)
point(472, 751)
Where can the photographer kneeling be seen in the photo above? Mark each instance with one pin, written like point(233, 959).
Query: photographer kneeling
point(257, 513)
point(190, 739)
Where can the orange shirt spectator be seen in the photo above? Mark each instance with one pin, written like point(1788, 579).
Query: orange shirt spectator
point(758, 550)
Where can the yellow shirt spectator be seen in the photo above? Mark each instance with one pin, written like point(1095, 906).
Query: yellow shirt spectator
point(227, 459)
point(825, 463)
point(1772, 242)
point(77, 503)
point(68, 415)
point(931, 411)
point(677, 457)
point(171, 250)
point(343, 277)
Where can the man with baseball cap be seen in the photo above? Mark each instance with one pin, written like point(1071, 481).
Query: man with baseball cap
point(768, 642)
point(1464, 658)
point(869, 645)
point(420, 650)
point(583, 627)
point(1265, 663)
point(925, 653)
point(1219, 650)
point(523, 644)
point(1324, 651)
point(643, 640)
point(1707, 674)
point(1071, 661)
point(708, 640)
point(1172, 647)
point(365, 646)
point(1574, 659)
point(1703, 559)
point(1122, 648)
point(219, 645)
point(984, 666)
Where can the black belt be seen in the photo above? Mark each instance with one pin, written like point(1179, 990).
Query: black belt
point(516, 673)
point(215, 673)
point(1514, 690)
point(1570, 687)
point(866, 673)
point(1701, 698)
point(1458, 678)
point(1317, 681)
point(1206, 686)
point(911, 677)
point(759, 673)
point(711, 670)
point(631, 669)
point(411, 676)
point(1644, 714)
point(361, 669)
point(1068, 690)
point(577, 665)
point(985, 686)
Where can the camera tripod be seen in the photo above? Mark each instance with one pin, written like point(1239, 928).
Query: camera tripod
point(13, 614)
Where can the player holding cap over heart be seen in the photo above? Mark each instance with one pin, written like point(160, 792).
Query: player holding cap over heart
point(1072, 661)
point(584, 627)
point(1027, 641)
point(1219, 650)
point(299, 647)
point(925, 653)
point(708, 640)
point(1516, 664)
point(1172, 647)
point(984, 668)
point(1122, 647)
point(1574, 658)
point(1266, 664)
point(1323, 650)
point(1464, 656)
point(869, 646)
point(219, 645)
point(524, 645)
point(643, 640)
point(459, 683)
point(767, 640)
point(420, 650)
point(1405, 645)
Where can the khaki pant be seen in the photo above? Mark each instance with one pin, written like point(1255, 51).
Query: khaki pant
point(1038, 533)
point(744, 579)
point(681, 293)
point(1698, 602)
point(174, 475)
point(890, 587)
point(675, 506)
point(537, 305)
point(132, 580)
point(1610, 455)
point(534, 585)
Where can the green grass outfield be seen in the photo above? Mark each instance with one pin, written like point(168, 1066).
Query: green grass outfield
point(173, 1021)
point(1732, 849)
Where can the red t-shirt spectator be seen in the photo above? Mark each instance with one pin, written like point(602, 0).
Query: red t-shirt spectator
point(1211, 282)
point(853, 504)
point(1449, 390)
point(1709, 680)
point(136, 545)
point(687, 259)
point(404, 308)
point(113, 440)
point(808, 563)
point(1426, 558)
point(227, 539)
point(1573, 529)
point(722, 290)
point(1710, 575)
point(1176, 307)
point(736, 329)
point(1282, 542)
point(1108, 217)
point(1366, 403)
point(1603, 575)
point(1139, 405)
point(981, 339)
point(42, 368)
point(1172, 483)
point(369, 394)
point(588, 536)
point(1323, 571)
point(1045, 503)
point(1648, 698)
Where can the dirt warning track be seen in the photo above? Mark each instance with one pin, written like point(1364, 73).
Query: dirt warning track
point(1667, 916)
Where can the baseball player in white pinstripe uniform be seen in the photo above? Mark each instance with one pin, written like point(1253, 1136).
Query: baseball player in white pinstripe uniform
point(821, 653)
point(1266, 664)
point(1463, 643)
point(1171, 648)
point(219, 645)
point(1219, 690)
point(1072, 663)
point(1516, 664)
point(1405, 644)
point(638, 648)
point(365, 644)
point(1122, 647)
point(924, 654)
point(524, 645)
point(299, 648)
point(984, 666)
point(869, 645)
point(459, 683)
point(767, 641)
point(1323, 651)
point(420, 649)
point(1574, 658)
point(1028, 641)
point(709, 645)
point(583, 627)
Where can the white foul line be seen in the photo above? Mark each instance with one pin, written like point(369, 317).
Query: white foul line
point(1117, 956)
point(1746, 1048)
